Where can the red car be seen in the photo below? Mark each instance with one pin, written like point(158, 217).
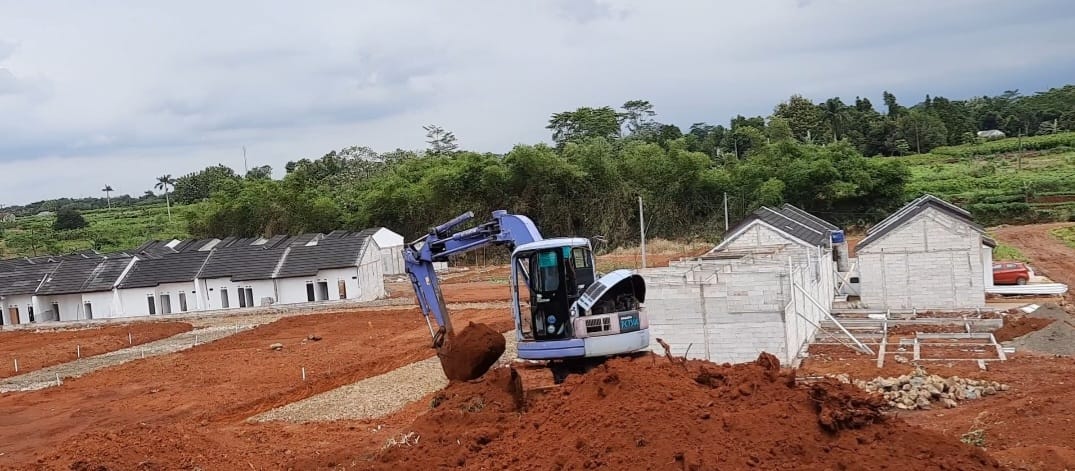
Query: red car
point(1011, 273)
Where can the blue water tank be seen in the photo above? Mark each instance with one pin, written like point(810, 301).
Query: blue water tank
point(837, 237)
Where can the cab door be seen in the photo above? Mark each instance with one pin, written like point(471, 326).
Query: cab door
point(549, 301)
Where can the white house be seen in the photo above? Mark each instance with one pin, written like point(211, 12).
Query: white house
point(19, 280)
point(162, 285)
point(335, 267)
point(239, 275)
point(80, 289)
point(764, 288)
point(928, 255)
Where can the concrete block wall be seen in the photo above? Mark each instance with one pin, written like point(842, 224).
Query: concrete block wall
point(933, 261)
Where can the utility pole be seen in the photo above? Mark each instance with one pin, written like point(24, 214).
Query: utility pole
point(642, 227)
point(725, 211)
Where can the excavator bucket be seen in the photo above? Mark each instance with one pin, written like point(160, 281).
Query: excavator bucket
point(468, 354)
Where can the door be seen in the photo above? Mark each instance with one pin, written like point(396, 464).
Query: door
point(310, 292)
point(322, 290)
point(182, 302)
point(342, 285)
point(250, 297)
point(166, 304)
point(13, 312)
point(224, 298)
point(56, 310)
point(152, 304)
point(89, 310)
point(549, 295)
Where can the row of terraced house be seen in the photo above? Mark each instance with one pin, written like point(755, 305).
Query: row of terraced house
point(167, 277)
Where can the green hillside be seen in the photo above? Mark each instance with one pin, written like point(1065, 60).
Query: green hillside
point(999, 183)
point(108, 230)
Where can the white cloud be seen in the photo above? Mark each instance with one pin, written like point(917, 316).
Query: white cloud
point(117, 93)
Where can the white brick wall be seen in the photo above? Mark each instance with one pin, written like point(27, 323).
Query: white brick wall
point(932, 261)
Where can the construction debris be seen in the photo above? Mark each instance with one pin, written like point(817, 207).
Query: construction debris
point(276, 346)
point(921, 390)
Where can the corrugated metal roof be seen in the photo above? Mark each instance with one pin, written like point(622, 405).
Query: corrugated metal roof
point(174, 268)
point(916, 207)
point(84, 276)
point(307, 260)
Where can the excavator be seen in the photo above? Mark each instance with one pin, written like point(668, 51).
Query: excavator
point(566, 314)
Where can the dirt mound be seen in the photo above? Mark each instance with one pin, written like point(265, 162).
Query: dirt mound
point(1018, 326)
point(649, 413)
point(470, 353)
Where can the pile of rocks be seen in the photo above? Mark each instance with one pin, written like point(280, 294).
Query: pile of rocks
point(920, 390)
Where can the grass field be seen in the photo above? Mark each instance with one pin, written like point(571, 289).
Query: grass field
point(108, 230)
point(1065, 234)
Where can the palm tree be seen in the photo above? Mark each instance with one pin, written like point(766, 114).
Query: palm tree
point(108, 194)
point(166, 183)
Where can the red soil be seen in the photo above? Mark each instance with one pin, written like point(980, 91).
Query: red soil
point(1018, 326)
point(648, 413)
point(186, 410)
point(470, 352)
point(36, 349)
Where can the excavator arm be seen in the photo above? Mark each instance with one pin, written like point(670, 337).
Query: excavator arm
point(440, 243)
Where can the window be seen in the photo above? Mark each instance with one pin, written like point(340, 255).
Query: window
point(182, 301)
point(1010, 266)
point(581, 257)
point(152, 304)
point(89, 310)
point(224, 298)
point(547, 274)
point(310, 291)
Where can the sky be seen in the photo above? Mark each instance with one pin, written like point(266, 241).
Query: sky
point(119, 92)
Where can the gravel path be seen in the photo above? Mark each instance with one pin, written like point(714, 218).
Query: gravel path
point(374, 397)
point(47, 377)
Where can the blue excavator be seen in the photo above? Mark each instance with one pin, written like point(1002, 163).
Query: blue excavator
point(566, 314)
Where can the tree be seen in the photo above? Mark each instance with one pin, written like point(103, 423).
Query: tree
point(440, 141)
point(637, 114)
point(807, 120)
point(894, 109)
point(1049, 127)
point(584, 123)
point(922, 130)
point(263, 172)
point(166, 183)
point(108, 194)
point(67, 219)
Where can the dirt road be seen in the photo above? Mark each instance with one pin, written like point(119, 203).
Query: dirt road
point(1047, 254)
point(137, 412)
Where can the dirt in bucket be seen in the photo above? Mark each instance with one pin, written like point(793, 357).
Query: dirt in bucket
point(469, 353)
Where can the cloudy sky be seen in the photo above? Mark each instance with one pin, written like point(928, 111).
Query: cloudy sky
point(119, 92)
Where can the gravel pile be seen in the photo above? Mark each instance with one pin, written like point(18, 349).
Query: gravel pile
point(377, 396)
point(1058, 338)
point(921, 390)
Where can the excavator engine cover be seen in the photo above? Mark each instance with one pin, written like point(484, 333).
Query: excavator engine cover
point(468, 354)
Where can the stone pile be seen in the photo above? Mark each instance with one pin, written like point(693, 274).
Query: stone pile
point(921, 390)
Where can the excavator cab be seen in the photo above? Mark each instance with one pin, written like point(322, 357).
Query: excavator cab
point(555, 273)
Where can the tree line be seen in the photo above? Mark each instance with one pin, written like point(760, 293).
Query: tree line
point(602, 159)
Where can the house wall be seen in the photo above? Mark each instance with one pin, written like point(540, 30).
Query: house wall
point(364, 282)
point(104, 304)
point(135, 300)
point(70, 306)
point(210, 292)
point(393, 260)
point(733, 311)
point(23, 302)
point(933, 261)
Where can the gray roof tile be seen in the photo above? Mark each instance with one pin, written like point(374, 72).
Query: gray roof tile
point(916, 207)
point(174, 268)
point(343, 251)
point(84, 276)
